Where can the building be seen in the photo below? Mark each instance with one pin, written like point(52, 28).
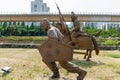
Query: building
point(38, 6)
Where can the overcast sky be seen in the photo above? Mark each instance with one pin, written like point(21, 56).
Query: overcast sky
point(15, 6)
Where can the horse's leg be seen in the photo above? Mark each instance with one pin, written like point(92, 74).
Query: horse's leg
point(89, 55)
point(86, 54)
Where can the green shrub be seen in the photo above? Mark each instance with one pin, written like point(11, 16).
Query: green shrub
point(114, 55)
point(110, 42)
point(118, 72)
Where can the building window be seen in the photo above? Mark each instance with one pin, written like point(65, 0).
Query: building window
point(43, 8)
point(35, 6)
point(35, 10)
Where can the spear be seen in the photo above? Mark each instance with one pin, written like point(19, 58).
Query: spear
point(60, 14)
point(62, 20)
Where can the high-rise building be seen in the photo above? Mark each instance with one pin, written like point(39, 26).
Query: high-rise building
point(38, 6)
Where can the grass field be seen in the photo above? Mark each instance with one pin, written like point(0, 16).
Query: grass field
point(26, 64)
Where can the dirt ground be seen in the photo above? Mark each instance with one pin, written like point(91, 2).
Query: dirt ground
point(26, 64)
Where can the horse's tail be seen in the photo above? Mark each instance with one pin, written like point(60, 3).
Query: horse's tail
point(95, 45)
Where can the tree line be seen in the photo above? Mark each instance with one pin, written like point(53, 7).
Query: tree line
point(23, 29)
point(110, 32)
point(20, 29)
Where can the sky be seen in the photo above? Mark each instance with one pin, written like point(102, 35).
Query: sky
point(86, 6)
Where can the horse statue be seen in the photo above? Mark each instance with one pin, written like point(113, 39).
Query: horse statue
point(76, 37)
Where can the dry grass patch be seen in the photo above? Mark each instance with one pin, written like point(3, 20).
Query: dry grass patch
point(27, 64)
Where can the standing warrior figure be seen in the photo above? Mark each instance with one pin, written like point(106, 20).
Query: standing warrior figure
point(54, 33)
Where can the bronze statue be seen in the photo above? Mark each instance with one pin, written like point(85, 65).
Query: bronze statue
point(74, 38)
point(63, 27)
point(55, 34)
point(76, 33)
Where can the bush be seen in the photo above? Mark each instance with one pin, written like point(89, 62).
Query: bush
point(110, 42)
point(114, 55)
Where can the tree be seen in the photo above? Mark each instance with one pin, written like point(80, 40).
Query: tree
point(9, 23)
point(32, 26)
point(14, 23)
point(4, 28)
point(5, 24)
point(27, 30)
point(1, 30)
point(118, 31)
point(10, 30)
point(23, 24)
point(18, 23)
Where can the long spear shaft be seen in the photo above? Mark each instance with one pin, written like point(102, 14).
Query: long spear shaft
point(62, 20)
